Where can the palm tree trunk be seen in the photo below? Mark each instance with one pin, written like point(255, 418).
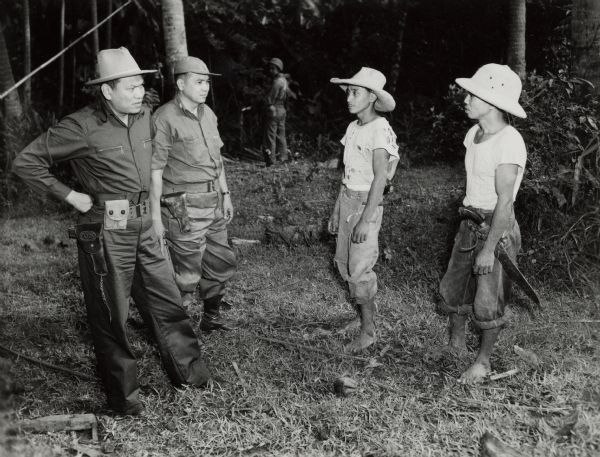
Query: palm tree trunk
point(12, 103)
point(174, 31)
point(94, 6)
point(585, 34)
point(108, 42)
point(397, 56)
point(515, 55)
point(61, 65)
point(27, 56)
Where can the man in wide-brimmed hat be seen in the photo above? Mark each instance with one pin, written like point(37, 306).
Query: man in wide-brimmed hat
point(475, 283)
point(370, 159)
point(274, 140)
point(110, 150)
point(187, 159)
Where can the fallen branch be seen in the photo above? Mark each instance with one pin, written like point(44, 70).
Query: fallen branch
point(310, 348)
point(483, 403)
point(48, 365)
point(506, 374)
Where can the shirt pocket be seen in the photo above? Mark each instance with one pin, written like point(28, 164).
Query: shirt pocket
point(109, 150)
point(195, 151)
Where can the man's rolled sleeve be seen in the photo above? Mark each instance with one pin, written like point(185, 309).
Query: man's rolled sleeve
point(65, 141)
point(161, 143)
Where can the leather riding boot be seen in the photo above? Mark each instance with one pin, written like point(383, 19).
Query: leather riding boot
point(367, 327)
point(211, 319)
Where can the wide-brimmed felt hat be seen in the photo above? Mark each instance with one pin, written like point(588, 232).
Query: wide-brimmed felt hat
point(373, 80)
point(497, 85)
point(192, 65)
point(277, 62)
point(114, 64)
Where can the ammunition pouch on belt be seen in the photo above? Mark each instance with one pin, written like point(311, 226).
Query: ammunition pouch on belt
point(89, 238)
point(176, 203)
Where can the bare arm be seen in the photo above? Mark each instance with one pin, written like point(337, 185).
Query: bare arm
point(380, 161)
point(503, 218)
point(227, 204)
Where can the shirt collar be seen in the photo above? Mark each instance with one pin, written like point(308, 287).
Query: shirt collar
point(187, 112)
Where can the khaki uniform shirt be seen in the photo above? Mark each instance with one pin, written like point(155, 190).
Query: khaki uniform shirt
point(186, 145)
point(278, 93)
point(106, 156)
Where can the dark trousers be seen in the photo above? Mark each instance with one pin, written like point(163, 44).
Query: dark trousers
point(136, 267)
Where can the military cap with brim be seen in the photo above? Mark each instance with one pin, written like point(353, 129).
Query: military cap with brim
point(192, 65)
point(114, 64)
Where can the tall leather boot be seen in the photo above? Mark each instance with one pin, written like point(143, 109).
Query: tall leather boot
point(367, 327)
point(211, 319)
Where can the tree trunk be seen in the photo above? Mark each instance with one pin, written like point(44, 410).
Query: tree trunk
point(61, 64)
point(397, 57)
point(94, 6)
point(108, 42)
point(12, 104)
point(174, 31)
point(27, 56)
point(585, 34)
point(515, 53)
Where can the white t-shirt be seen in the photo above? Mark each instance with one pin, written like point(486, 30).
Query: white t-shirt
point(359, 143)
point(506, 146)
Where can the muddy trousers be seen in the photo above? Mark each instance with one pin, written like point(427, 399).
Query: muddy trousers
point(355, 261)
point(136, 267)
point(201, 258)
point(274, 141)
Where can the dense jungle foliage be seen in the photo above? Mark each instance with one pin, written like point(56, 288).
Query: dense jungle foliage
point(421, 46)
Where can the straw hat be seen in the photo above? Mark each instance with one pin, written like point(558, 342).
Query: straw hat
point(373, 80)
point(192, 65)
point(115, 64)
point(498, 85)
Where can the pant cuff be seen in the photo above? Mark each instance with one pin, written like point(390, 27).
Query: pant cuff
point(494, 323)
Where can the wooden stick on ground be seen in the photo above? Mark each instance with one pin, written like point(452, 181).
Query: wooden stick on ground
point(48, 365)
point(310, 348)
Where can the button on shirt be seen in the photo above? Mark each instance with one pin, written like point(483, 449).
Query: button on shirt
point(186, 145)
point(106, 156)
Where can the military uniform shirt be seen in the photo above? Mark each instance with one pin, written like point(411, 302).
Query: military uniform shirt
point(186, 145)
point(106, 156)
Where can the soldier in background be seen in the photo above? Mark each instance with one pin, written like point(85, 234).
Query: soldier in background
point(274, 141)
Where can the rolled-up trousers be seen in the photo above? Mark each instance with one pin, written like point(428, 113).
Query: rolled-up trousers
point(355, 261)
point(136, 267)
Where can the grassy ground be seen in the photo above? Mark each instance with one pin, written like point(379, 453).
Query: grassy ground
point(280, 400)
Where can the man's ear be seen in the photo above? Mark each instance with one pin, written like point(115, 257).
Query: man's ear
point(106, 91)
point(372, 97)
point(179, 83)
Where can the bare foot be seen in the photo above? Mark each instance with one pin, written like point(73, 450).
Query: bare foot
point(476, 373)
point(349, 326)
point(363, 341)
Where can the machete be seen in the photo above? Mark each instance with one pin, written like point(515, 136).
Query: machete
point(507, 263)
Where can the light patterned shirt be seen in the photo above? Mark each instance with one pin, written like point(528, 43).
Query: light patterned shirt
point(359, 143)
